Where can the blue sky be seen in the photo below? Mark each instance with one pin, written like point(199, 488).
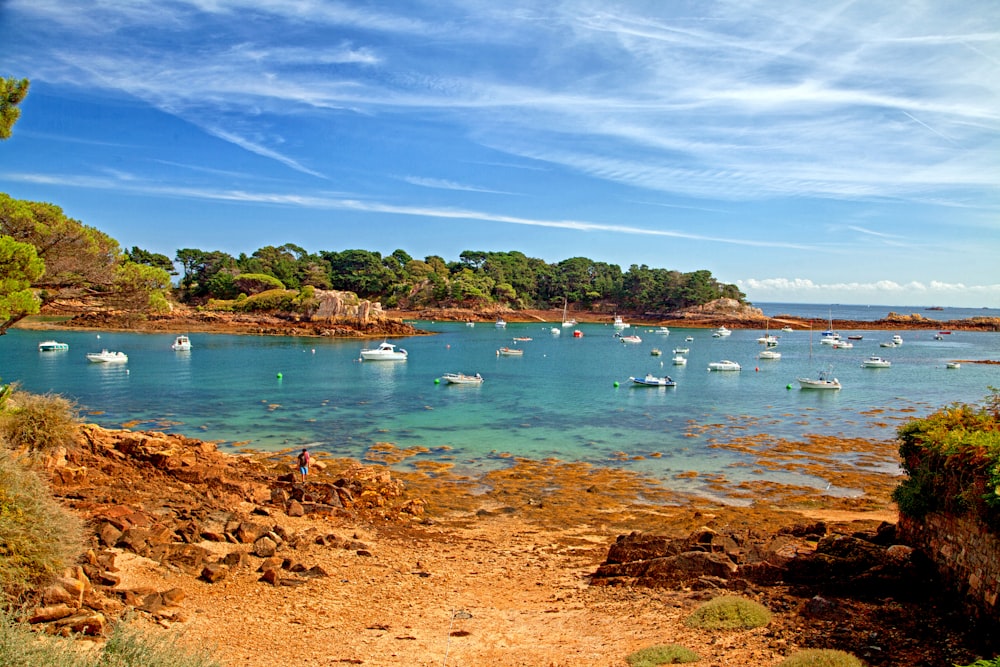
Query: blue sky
point(844, 152)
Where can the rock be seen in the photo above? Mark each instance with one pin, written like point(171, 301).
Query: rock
point(823, 609)
point(85, 622)
point(214, 572)
point(265, 547)
point(51, 613)
point(173, 597)
point(295, 509)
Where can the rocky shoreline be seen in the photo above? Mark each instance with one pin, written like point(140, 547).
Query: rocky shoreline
point(361, 565)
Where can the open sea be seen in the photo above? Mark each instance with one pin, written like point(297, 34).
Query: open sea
point(566, 398)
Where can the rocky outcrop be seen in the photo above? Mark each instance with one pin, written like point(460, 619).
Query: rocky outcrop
point(167, 497)
point(862, 564)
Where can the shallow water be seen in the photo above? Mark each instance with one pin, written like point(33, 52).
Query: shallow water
point(566, 398)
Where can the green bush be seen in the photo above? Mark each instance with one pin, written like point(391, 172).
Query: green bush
point(729, 612)
point(816, 657)
point(38, 422)
point(274, 300)
point(21, 647)
point(38, 537)
point(995, 662)
point(663, 654)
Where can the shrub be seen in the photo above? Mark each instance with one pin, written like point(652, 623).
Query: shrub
point(729, 612)
point(820, 658)
point(38, 537)
point(663, 654)
point(21, 647)
point(995, 662)
point(280, 300)
point(38, 422)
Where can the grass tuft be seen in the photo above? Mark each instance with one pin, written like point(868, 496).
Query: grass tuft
point(663, 654)
point(729, 612)
point(38, 422)
point(816, 657)
point(38, 537)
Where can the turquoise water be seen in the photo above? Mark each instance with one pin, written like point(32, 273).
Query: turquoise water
point(558, 400)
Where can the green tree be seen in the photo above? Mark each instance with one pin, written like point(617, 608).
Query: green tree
point(255, 283)
point(12, 93)
point(140, 256)
point(141, 287)
point(80, 261)
point(19, 268)
point(207, 274)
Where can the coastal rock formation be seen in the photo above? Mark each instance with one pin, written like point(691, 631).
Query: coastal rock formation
point(181, 504)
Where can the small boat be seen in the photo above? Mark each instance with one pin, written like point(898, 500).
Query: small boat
point(631, 339)
point(769, 354)
point(944, 333)
point(470, 324)
point(652, 381)
point(384, 352)
point(619, 323)
point(569, 323)
point(52, 346)
point(829, 338)
point(181, 344)
point(680, 361)
point(689, 339)
point(842, 345)
point(875, 362)
point(522, 338)
point(555, 331)
point(724, 365)
point(662, 330)
point(721, 332)
point(786, 329)
point(106, 357)
point(897, 339)
point(462, 378)
point(938, 336)
point(887, 343)
point(656, 352)
point(577, 333)
point(768, 339)
point(855, 337)
point(500, 323)
point(953, 364)
point(825, 380)
point(681, 350)
point(510, 352)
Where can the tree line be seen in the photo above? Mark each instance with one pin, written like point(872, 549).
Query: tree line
point(48, 258)
point(478, 279)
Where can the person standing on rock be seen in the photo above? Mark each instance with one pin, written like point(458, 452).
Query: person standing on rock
point(304, 460)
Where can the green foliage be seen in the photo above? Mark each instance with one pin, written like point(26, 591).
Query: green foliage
point(38, 538)
point(38, 422)
point(137, 286)
point(20, 268)
point(12, 93)
point(663, 654)
point(729, 612)
point(140, 256)
point(821, 658)
point(255, 283)
point(952, 459)
point(126, 647)
point(995, 662)
point(275, 300)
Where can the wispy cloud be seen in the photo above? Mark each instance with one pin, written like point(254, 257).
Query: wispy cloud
point(442, 184)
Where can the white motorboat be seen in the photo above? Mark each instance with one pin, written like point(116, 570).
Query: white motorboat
point(631, 339)
point(656, 352)
point(787, 329)
point(500, 323)
point(384, 352)
point(462, 378)
point(689, 339)
point(887, 343)
point(619, 323)
point(555, 331)
point(52, 346)
point(106, 357)
point(653, 381)
point(682, 350)
point(953, 364)
point(510, 352)
point(825, 380)
point(875, 362)
point(470, 323)
point(897, 339)
point(181, 344)
point(662, 330)
point(680, 361)
point(721, 332)
point(842, 344)
point(769, 354)
point(724, 365)
point(768, 339)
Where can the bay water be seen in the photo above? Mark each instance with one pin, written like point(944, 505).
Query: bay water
point(566, 398)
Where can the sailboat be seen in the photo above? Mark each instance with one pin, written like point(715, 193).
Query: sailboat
point(565, 322)
point(767, 338)
point(829, 337)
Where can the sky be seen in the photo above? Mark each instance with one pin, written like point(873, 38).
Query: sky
point(811, 152)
